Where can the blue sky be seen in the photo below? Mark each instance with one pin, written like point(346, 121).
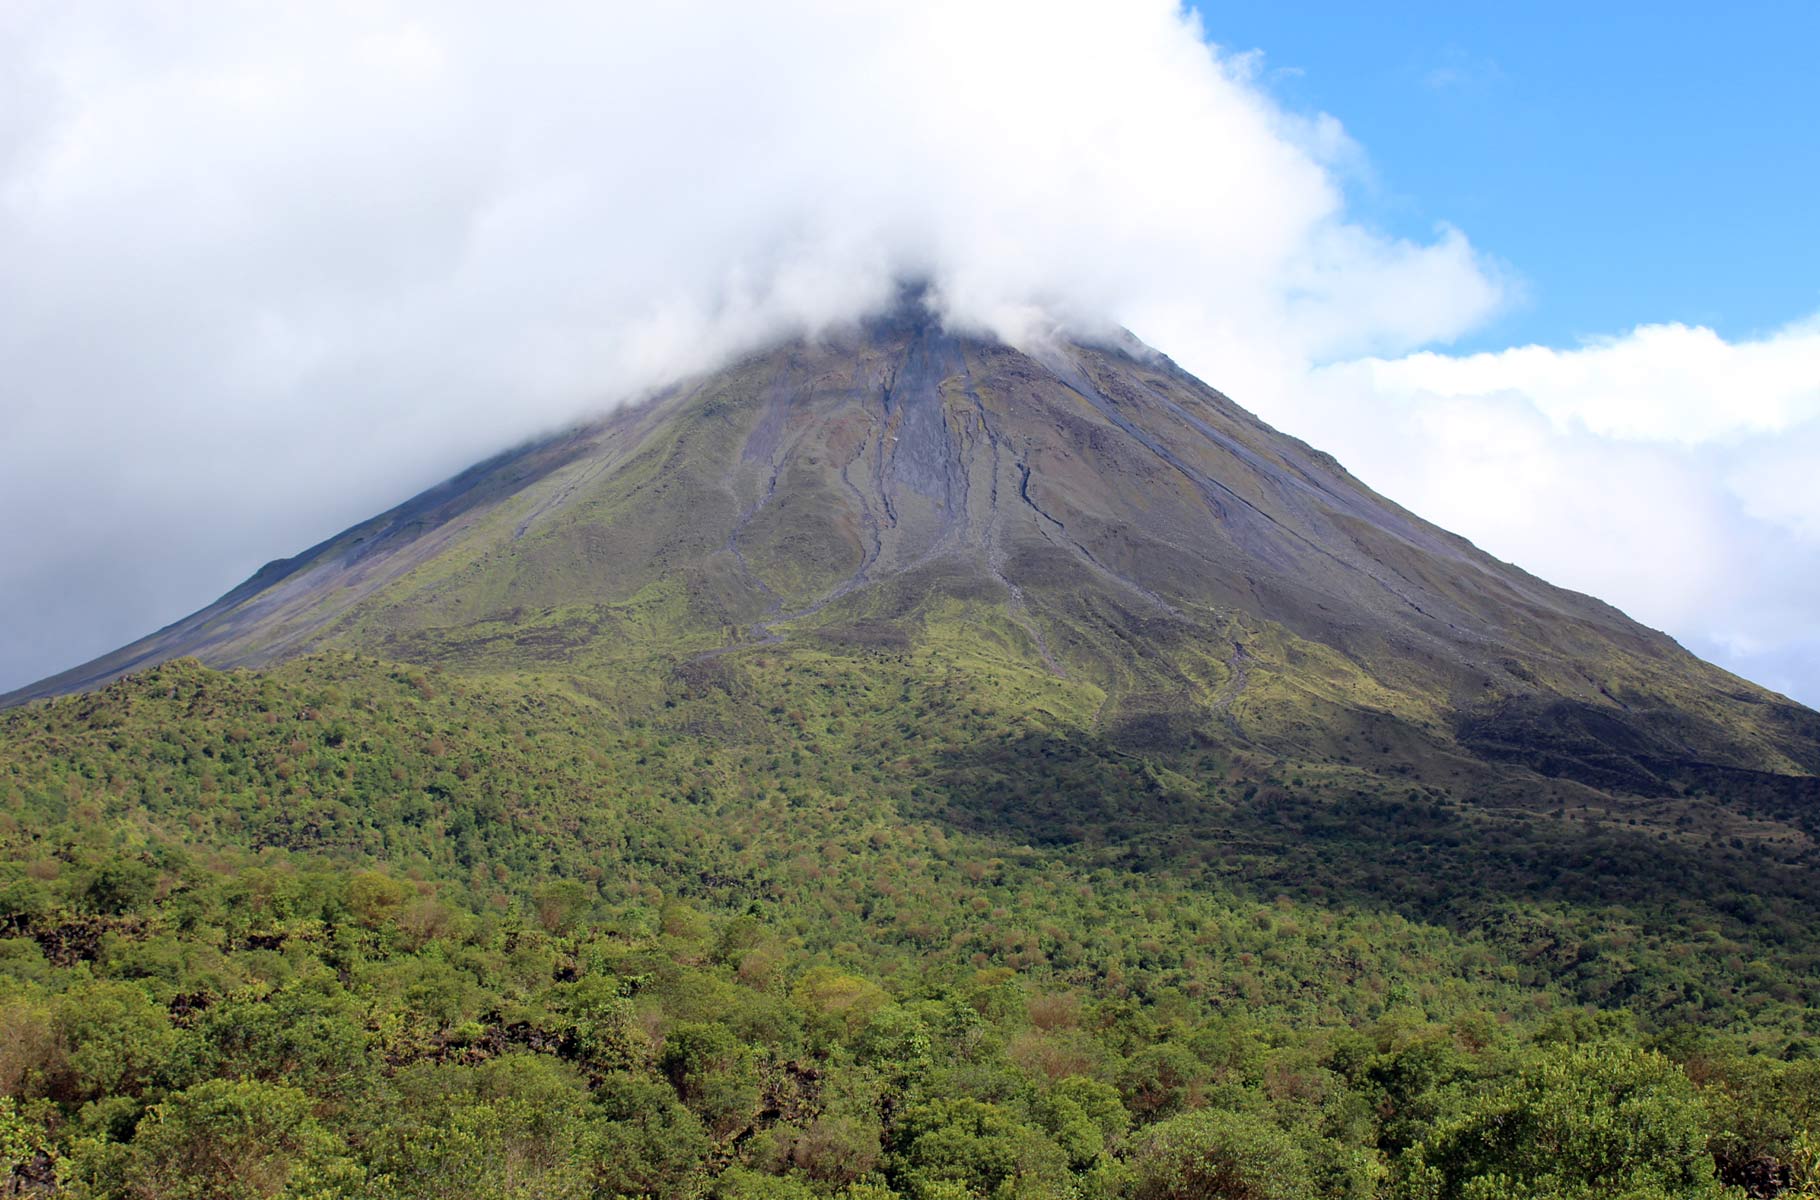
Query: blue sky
point(1633, 163)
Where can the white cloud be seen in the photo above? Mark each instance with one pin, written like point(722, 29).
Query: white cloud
point(1658, 383)
point(272, 267)
point(1668, 470)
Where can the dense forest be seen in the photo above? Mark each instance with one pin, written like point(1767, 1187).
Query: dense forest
point(848, 927)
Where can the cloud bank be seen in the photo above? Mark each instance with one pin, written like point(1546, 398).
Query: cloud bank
point(272, 268)
point(1668, 470)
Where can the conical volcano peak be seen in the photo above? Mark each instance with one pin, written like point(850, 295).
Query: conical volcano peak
point(1085, 513)
point(913, 309)
point(919, 308)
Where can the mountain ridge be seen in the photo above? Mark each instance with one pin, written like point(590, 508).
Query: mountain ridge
point(1088, 508)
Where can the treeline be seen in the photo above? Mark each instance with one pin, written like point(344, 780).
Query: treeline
point(174, 1029)
point(346, 928)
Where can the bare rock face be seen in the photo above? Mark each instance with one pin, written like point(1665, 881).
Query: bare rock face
point(1089, 512)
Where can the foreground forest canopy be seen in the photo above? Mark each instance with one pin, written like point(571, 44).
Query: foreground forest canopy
point(849, 924)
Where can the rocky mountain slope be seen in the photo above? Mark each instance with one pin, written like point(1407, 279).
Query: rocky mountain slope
point(1086, 511)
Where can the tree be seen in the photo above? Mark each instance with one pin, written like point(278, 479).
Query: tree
point(116, 1038)
point(714, 1074)
point(21, 1140)
point(220, 1140)
point(559, 902)
point(1581, 1122)
point(375, 899)
point(518, 1125)
point(649, 1141)
point(1159, 1081)
point(836, 1003)
point(965, 1147)
point(1214, 1155)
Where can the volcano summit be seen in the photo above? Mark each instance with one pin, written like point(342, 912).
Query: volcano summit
point(1182, 572)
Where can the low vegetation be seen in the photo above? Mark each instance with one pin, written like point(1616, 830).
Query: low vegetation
point(799, 923)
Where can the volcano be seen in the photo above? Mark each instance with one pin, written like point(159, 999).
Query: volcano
point(1084, 511)
point(835, 765)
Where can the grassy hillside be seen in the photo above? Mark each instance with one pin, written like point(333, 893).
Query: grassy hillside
point(824, 920)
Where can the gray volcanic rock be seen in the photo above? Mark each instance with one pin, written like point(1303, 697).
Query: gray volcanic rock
point(1085, 510)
